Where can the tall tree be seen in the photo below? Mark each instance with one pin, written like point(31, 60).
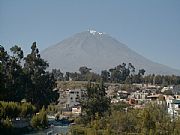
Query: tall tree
point(11, 74)
point(58, 75)
point(84, 70)
point(105, 75)
point(17, 53)
point(4, 62)
point(120, 73)
point(17, 74)
point(96, 101)
point(40, 83)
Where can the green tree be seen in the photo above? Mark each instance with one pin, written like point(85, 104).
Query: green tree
point(27, 109)
point(40, 120)
point(105, 75)
point(17, 53)
point(120, 73)
point(39, 82)
point(15, 109)
point(96, 101)
point(84, 70)
point(58, 75)
point(6, 127)
point(11, 75)
point(17, 74)
point(4, 74)
point(148, 122)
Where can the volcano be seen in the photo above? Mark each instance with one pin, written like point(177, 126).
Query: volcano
point(98, 51)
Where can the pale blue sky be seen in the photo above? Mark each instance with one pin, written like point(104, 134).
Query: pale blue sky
point(150, 27)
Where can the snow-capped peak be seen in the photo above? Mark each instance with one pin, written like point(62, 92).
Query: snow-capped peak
point(92, 32)
point(95, 32)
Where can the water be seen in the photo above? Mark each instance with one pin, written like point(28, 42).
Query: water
point(54, 129)
point(57, 127)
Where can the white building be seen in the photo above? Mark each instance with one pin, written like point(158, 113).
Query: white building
point(122, 94)
point(76, 110)
point(167, 88)
point(73, 97)
point(173, 106)
point(139, 95)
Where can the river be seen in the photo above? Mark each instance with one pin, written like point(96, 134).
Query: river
point(54, 129)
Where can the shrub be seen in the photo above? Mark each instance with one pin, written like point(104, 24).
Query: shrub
point(40, 120)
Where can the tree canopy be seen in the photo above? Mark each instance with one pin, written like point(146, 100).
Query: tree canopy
point(31, 81)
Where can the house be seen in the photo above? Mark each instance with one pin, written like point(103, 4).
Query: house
point(151, 86)
point(153, 97)
point(138, 85)
point(167, 88)
point(157, 98)
point(132, 101)
point(176, 104)
point(76, 110)
point(139, 95)
point(122, 94)
point(176, 89)
point(173, 107)
point(73, 97)
point(113, 100)
point(111, 91)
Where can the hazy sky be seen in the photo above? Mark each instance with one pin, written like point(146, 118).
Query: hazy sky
point(150, 27)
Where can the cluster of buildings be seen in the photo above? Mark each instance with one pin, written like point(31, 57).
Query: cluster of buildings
point(170, 96)
point(70, 99)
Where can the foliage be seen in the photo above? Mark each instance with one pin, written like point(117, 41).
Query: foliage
point(30, 81)
point(105, 75)
point(27, 109)
point(40, 120)
point(163, 80)
point(84, 75)
point(120, 73)
point(152, 120)
point(39, 83)
point(52, 109)
point(96, 101)
point(120, 106)
point(7, 123)
point(9, 111)
point(15, 109)
point(11, 75)
point(6, 126)
point(84, 70)
point(58, 75)
point(123, 73)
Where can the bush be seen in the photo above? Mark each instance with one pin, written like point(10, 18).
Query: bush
point(6, 127)
point(15, 109)
point(52, 109)
point(27, 109)
point(35, 121)
point(40, 120)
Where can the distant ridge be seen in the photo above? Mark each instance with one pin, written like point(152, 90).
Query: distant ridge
point(98, 51)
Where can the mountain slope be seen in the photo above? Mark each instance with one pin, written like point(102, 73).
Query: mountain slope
point(97, 51)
